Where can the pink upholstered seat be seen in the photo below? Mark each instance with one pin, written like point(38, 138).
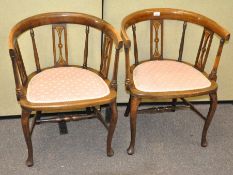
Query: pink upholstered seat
point(164, 75)
point(66, 84)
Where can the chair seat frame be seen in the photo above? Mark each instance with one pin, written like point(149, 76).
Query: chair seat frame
point(168, 94)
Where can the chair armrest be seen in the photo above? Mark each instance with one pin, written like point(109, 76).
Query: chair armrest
point(19, 86)
point(213, 74)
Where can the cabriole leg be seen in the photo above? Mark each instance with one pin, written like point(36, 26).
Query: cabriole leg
point(134, 102)
point(213, 105)
point(111, 129)
point(27, 135)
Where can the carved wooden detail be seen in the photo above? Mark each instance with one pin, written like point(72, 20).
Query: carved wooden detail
point(115, 70)
point(204, 49)
point(86, 48)
point(19, 93)
point(182, 41)
point(156, 39)
point(20, 64)
point(106, 56)
point(213, 74)
point(61, 31)
point(35, 50)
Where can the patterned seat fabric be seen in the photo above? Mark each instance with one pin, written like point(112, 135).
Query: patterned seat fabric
point(164, 75)
point(66, 84)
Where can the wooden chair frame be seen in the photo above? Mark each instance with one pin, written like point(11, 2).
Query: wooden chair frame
point(58, 20)
point(156, 16)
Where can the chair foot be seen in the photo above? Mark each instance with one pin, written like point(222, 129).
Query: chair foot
point(29, 162)
point(130, 150)
point(204, 143)
point(110, 152)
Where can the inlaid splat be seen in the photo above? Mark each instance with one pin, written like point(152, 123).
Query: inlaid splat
point(59, 31)
point(156, 39)
point(106, 56)
point(203, 50)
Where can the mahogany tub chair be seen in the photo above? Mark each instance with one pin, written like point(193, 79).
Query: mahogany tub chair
point(158, 77)
point(63, 86)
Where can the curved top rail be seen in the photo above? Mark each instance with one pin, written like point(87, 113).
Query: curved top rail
point(64, 17)
point(172, 14)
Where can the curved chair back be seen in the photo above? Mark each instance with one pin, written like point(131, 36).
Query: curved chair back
point(59, 24)
point(157, 17)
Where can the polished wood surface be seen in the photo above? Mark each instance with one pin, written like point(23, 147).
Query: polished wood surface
point(156, 18)
point(172, 14)
point(58, 22)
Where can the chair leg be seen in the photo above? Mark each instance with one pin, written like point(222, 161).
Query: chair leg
point(88, 110)
point(213, 106)
point(38, 114)
point(62, 127)
point(174, 100)
point(111, 129)
point(134, 102)
point(27, 135)
point(108, 114)
point(126, 114)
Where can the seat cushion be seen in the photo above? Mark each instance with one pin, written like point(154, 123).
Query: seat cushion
point(66, 84)
point(164, 75)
